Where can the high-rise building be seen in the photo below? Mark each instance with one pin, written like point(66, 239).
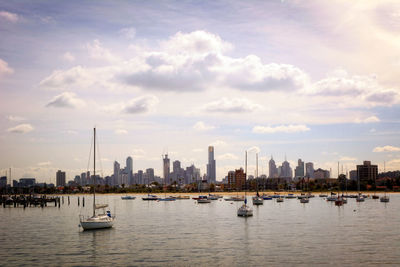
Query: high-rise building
point(310, 170)
point(211, 168)
point(3, 181)
point(273, 171)
point(299, 171)
point(117, 173)
point(60, 178)
point(150, 175)
point(286, 170)
point(129, 168)
point(367, 172)
point(240, 179)
point(321, 174)
point(166, 169)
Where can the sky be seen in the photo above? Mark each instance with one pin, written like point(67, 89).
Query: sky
point(316, 80)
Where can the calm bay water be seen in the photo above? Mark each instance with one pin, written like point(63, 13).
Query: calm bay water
point(182, 233)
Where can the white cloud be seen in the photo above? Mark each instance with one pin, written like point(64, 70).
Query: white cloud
point(66, 100)
point(234, 105)
point(356, 90)
point(280, 129)
point(197, 150)
point(201, 126)
point(68, 56)
point(197, 42)
point(11, 17)
point(227, 156)
point(128, 33)
point(98, 52)
point(344, 158)
point(370, 119)
point(254, 149)
point(218, 143)
point(141, 104)
point(4, 68)
point(45, 163)
point(121, 131)
point(386, 149)
point(21, 128)
point(15, 118)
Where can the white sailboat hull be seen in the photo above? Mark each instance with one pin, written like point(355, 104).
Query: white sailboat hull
point(245, 211)
point(97, 222)
point(258, 201)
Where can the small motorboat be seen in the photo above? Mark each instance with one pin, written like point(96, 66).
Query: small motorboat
point(150, 197)
point(203, 199)
point(127, 197)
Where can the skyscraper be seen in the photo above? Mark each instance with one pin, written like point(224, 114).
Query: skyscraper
point(166, 169)
point(286, 170)
point(310, 170)
point(273, 171)
point(60, 178)
point(117, 173)
point(129, 169)
point(299, 171)
point(211, 170)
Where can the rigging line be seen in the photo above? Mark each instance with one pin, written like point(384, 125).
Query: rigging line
point(90, 154)
point(98, 152)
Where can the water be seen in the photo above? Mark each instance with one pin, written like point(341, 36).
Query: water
point(183, 233)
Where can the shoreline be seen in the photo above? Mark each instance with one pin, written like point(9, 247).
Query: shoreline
point(240, 193)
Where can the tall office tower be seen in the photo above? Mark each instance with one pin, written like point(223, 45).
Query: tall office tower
point(299, 171)
point(211, 170)
point(286, 170)
point(141, 177)
point(310, 170)
point(117, 173)
point(83, 178)
point(129, 169)
point(60, 178)
point(273, 171)
point(150, 175)
point(367, 172)
point(166, 169)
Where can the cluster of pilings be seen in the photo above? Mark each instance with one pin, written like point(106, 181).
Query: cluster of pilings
point(35, 200)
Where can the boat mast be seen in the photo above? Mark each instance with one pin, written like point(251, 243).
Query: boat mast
point(257, 172)
point(94, 172)
point(245, 180)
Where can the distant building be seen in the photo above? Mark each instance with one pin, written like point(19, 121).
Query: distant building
point(28, 182)
point(166, 169)
point(3, 181)
point(299, 170)
point(310, 170)
point(286, 170)
point(211, 168)
point(353, 175)
point(117, 173)
point(367, 172)
point(77, 179)
point(273, 171)
point(240, 179)
point(321, 174)
point(60, 178)
point(150, 175)
point(129, 169)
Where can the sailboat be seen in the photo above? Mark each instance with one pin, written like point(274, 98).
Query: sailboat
point(360, 197)
point(102, 219)
point(257, 199)
point(244, 210)
point(385, 198)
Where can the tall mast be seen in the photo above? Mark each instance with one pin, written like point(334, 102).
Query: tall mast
point(94, 172)
point(257, 172)
point(245, 180)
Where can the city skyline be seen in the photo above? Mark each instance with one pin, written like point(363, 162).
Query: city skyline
point(282, 78)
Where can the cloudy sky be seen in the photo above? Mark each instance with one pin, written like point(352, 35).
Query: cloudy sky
point(316, 80)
